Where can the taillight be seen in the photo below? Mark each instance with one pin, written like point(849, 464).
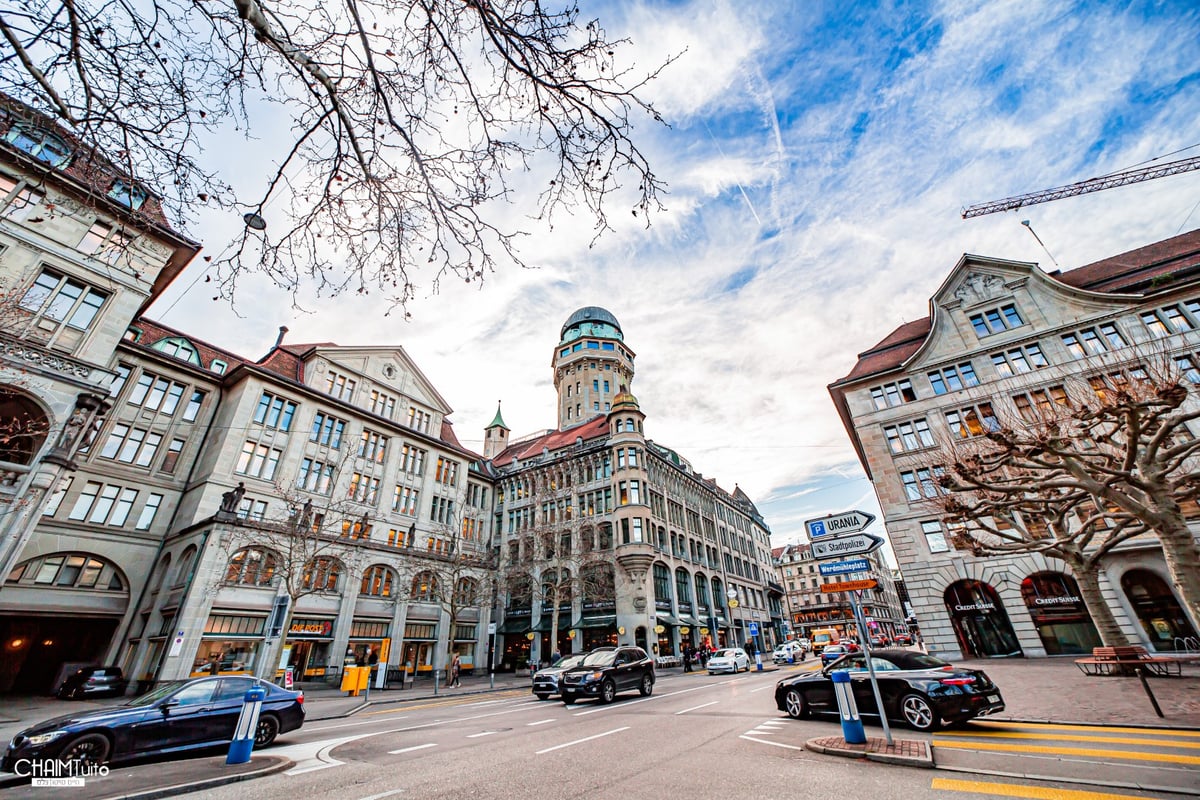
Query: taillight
point(300, 698)
point(957, 681)
point(91, 681)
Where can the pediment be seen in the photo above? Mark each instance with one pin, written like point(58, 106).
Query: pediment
point(387, 368)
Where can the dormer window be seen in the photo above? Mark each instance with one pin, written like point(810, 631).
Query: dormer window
point(180, 348)
point(218, 366)
point(42, 145)
point(128, 194)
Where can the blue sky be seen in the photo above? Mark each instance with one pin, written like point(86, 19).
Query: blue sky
point(818, 157)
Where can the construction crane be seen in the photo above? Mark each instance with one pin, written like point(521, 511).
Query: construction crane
point(1084, 187)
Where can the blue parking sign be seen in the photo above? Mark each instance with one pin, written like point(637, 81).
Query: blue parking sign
point(816, 528)
point(753, 629)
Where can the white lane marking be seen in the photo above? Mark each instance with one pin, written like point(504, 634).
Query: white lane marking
point(640, 700)
point(581, 741)
point(483, 703)
point(764, 741)
point(540, 722)
point(357, 724)
point(312, 756)
point(759, 689)
point(410, 749)
point(482, 733)
point(382, 795)
point(693, 708)
point(772, 723)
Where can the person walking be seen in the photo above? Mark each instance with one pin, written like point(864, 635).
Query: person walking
point(456, 671)
point(687, 658)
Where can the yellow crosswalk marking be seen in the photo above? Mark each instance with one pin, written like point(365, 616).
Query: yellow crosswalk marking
point(1033, 792)
point(1105, 728)
point(1152, 740)
point(1072, 751)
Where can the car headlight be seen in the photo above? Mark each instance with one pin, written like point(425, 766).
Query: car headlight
point(593, 676)
point(44, 738)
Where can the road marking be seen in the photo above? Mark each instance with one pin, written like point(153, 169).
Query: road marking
point(581, 741)
point(343, 725)
point(1071, 751)
point(776, 744)
point(312, 756)
point(642, 700)
point(693, 708)
point(482, 733)
point(410, 749)
point(382, 795)
point(1034, 792)
point(539, 722)
point(1104, 728)
point(1058, 737)
point(759, 689)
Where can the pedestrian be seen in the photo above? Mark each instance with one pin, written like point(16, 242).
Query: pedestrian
point(557, 657)
point(455, 671)
point(687, 658)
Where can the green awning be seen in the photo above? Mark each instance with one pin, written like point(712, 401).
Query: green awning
point(605, 621)
point(691, 622)
point(666, 619)
point(515, 625)
point(564, 623)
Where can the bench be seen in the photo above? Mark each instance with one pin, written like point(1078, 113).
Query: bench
point(1127, 661)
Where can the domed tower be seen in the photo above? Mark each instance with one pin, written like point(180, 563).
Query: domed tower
point(591, 365)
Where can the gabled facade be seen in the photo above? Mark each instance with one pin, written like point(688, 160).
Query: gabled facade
point(1002, 339)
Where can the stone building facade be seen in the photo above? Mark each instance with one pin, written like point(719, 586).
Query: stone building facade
point(1002, 339)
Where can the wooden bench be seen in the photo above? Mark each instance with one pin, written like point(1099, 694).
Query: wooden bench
point(1127, 661)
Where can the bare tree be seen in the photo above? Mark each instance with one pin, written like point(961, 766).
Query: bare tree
point(463, 572)
point(1085, 468)
point(407, 121)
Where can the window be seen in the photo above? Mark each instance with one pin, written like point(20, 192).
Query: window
point(908, 436)
point(340, 386)
point(1166, 321)
point(56, 300)
point(1093, 341)
point(973, 421)
point(315, 476)
point(131, 445)
point(951, 379)
point(447, 472)
point(258, 461)
point(412, 460)
point(193, 406)
point(405, 500)
point(252, 566)
point(377, 582)
point(218, 366)
point(921, 482)
point(363, 488)
point(146, 518)
point(996, 320)
point(69, 570)
point(42, 145)
point(322, 574)
point(178, 347)
point(1187, 368)
point(357, 528)
point(1038, 404)
point(419, 420)
point(1019, 360)
point(935, 537)
point(56, 499)
point(327, 430)
point(424, 586)
point(893, 394)
point(373, 446)
point(382, 404)
point(157, 394)
point(127, 194)
point(275, 412)
point(21, 204)
point(1112, 385)
point(441, 510)
point(103, 504)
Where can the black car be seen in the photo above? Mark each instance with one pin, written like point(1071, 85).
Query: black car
point(916, 688)
point(606, 671)
point(545, 681)
point(93, 682)
point(180, 715)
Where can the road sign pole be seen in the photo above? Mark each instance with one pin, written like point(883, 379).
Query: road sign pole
point(863, 640)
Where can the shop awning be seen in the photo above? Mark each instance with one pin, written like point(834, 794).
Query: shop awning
point(517, 625)
point(564, 622)
point(666, 619)
point(691, 622)
point(603, 621)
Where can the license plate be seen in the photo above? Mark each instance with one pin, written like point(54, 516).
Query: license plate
point(993, 698)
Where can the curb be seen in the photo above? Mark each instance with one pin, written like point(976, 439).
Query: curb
point(836, 746)
point(279, 765)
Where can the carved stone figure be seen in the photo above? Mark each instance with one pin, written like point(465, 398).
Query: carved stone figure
point(977, 287)
point(233, 498)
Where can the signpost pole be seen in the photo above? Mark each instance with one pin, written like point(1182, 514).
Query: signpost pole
point(864, 640)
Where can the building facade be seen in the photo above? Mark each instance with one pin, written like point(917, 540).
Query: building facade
point(810, 608)
point(1001, 341)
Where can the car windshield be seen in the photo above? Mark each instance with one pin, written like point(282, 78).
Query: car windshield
point(603, 658)
point(568, 662)
point(726, 653)
point(922, 661)
point(156, 694)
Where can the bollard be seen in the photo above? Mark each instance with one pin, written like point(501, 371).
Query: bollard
point(852, 727)
point(247, 724)
point(758, 661)
point(1141, 672)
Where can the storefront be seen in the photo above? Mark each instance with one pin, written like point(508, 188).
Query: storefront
point(980, 621)
point(231, 644)
point(1058, 613)
point(367, 639)
point(1159, 613)
point(599, 630)
point(464, 645)
point(307, 650)
point(517, 642)
point(420, 646)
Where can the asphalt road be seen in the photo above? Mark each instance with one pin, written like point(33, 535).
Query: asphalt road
point(697, 736)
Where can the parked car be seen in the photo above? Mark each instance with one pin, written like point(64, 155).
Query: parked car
point(93, 682)
point(729, 659)
point(788, 650)
point(904, 640)
point(545, 681)
point(176, 716)
point(605, 671)
point(833, 652)
point(916, 688)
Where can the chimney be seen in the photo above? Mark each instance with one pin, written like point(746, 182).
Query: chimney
point(282, 332)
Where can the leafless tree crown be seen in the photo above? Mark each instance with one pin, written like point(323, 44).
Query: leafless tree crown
point(408, 121)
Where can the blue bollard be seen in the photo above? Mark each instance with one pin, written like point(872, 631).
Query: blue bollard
point(852, 727)
point(758, 661)
point(243, 734)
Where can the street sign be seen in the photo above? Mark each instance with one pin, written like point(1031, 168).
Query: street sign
point(848, 586)
point(753, 628)
point(846, 522)
point(844, 567)
point(856, 544)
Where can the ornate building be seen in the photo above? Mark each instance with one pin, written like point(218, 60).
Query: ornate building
point(809, 607)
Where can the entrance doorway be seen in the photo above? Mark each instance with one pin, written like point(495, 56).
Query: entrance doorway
point(35, 649)
point(1057, 610)
point(1160, 614)
point(980, 621)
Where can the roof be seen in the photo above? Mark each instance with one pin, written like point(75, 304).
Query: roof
point(497, 421)
point(590, 314)
point(1144, 270)
point(551, 441)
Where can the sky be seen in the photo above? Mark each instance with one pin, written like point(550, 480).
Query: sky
point(818, 157)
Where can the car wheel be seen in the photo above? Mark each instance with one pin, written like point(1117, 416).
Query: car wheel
point(542, 696)
point(918, 713)
point(89, 750)
point(267, 730)
point(77, 693)
point(568, 699)
point(647, 686)
point(794, 702)
point(608, 691)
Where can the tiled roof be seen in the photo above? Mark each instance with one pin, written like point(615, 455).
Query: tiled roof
point(553, 440)
point(893, 350)
point(153, 332)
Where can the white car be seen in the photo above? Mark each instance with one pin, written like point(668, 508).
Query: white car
point(788, 650)
point(730, 659)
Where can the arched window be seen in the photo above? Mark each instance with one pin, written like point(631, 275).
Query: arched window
point(69, 570)
point(425, 586)
point(160, 576)
point(662, 584)
point(377, 581)
point(520, 593)
point(466, 592)
point(23, 426)
point(183, 573)
point(683, 586)
point(178, 347)
point(701, 590)
point(322, 574)
point(252, 566)
point(42, 145)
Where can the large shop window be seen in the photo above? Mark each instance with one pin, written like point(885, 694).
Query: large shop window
point(1058, 613)
point(1158, 611)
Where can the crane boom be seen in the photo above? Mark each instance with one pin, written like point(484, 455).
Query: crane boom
point(1084, 187)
